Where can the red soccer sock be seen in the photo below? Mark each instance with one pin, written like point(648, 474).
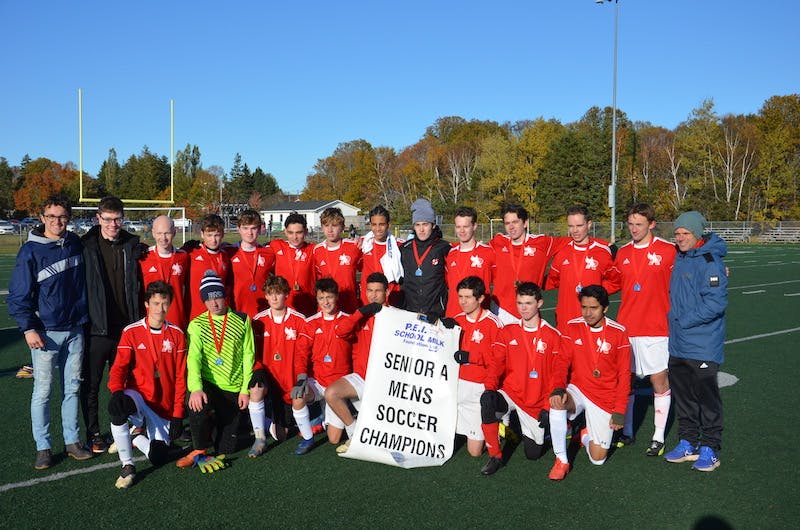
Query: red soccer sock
point(492, 436)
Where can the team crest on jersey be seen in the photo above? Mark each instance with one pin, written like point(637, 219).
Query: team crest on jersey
point(344, 259)
point(653, 259)
point(152, 269)
point(166, 347)
point(435, 261)
point(477, 336)
point(260, 261)
point(603, 346)
point(528, 251)
point(591, 263)
point(541, 346)
point(476, 262)
point(177, 270)
point(291, 333)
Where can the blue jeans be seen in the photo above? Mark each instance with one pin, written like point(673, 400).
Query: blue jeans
point(63, 349)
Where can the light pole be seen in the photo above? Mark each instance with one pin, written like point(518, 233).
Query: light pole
point(612, 189)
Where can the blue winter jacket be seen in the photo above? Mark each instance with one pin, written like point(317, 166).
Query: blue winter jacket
point(48, 284)
point(698, 296)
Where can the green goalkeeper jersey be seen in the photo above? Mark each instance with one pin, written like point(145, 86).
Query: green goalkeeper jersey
point(223, 355)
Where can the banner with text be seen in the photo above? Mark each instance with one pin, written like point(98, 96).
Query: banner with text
point(408, 410)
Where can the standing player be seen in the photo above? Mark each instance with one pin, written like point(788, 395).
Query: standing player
point(276, 331)
point(348, 389)
point(323, 358)
point(583, 261)
point(521, 257)
point(147, 383)
point(219, 369)
point(596, 353)
point(381, 254)
point(293, 261)
point(468, 257)
point(338, 259)
point(520, 378)
point(251, 264)
point(644, 266)
point(163, 262)
point(208, 256)
point(480, 328)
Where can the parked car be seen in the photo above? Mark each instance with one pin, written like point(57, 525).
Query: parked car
point(135, 226)
point(7, 228)
point(29, 222)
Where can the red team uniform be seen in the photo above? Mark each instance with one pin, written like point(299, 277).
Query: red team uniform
point(573, 268)
point(360, 327)
point(297, 266)
point(250, 270)
point(371, 262)
point(480, 262)
point(153, 363)
point(174, 270)
point(340, 264)
point(521, 263)
point(477, 338)
point(276, 348)
point(200, 260)
point(322, 354)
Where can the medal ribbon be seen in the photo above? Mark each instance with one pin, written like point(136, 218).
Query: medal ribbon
point(254, 261)
point(579, 265)
point(218, 342)
point(154, 353)
point(274, 328)
point(636, 268)
point(417, 258)
point(531, 348)
point(597, 349)
point(164, 275)
point(516, 262)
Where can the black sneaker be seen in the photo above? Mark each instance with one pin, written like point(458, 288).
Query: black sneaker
point(625, 440)
point(656, 449)
point(492, 466)
point(44, 459)
point(99, 446)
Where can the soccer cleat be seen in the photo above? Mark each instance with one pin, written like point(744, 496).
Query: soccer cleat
point(78, 452)
point(501, 430)
point(492, 466)
point(583, 434)
point(259, 445)
point(44, 459)
point(26, 372)
point(707, 461)
point(559, 470)
point(99, 446)
point(656, 448)
point(304, 446)
point(188, 460)
point(125, 479)
point(343, 448)
point(683, 452)
point(624, 441)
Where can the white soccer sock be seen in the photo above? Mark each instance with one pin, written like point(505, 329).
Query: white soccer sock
point(558, 433)
point(586, 440)
point(350, 430)
point(627, 427)
point(142, 443)
point(257, 418)
point(661, 404)
point(301, 417)
point(123, 440)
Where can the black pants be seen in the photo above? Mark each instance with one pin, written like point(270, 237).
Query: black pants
point(226, 412)
point(698, 406)
point(100, 351)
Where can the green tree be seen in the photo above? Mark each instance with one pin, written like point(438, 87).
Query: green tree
point(6, 187)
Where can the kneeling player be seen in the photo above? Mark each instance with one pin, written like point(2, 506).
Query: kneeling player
point(147, 383)
point(323, 358)
point(480, 328)
point(523, 355)
point(348, 389)
point(597, 353)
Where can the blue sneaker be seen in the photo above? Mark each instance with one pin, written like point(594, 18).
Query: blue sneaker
point(304, 446)
point(684, 452)
point(708, 460)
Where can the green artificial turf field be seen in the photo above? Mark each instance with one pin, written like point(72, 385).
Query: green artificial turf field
point(756, 485)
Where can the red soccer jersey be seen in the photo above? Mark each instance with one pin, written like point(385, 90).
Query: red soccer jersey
point(322, 354)
point(520, 263)
point(599, 363)
point(173, 269)
point(479, 261)
point(154, 364)
point(371, 262)
point(524, 364)
point(477, 338)
point(340, 263)
point(643, 274)
point(276, 347)
point(357, 327)
point(573, 268)
point(200, 260)
point(250, 270)
point(296, 265)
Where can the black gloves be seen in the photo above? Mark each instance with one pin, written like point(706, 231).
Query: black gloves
point(461, 357)
point(370, 309)
point(448, 322)
point(120, 406)
point(259, 379)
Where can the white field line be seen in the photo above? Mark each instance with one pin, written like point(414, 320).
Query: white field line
point(63, 475)
point(754, 292)
point(730, 287)
point(791, 294)
point(762, 335)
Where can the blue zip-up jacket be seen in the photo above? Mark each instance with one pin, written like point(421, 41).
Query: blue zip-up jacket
point(48, 284)
point(698, 296)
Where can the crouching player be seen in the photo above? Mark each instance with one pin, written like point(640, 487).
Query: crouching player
point(219, 368)
point(147, 383)
point(348, 389)
point(479, 330)
point(597, 352)
point(524, 353)
point(322, 359)
point(276, 332)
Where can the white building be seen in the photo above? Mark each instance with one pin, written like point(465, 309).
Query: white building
point(311, 210)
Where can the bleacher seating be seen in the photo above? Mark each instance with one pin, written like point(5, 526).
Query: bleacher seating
point(734, 234)
point(781, 234)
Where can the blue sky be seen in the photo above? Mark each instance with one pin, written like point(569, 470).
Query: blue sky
point(284, 82)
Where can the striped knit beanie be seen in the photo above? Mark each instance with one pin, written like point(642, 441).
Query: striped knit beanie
point(211, 286)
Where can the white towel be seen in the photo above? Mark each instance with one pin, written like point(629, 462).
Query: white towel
point(390, 262)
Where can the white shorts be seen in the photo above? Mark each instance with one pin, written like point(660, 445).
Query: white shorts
point(357, 382)
point(157, 427)
point(468, 421)
point(531, 428)
point(598, 421)
point(328, 416)
point(650, 355)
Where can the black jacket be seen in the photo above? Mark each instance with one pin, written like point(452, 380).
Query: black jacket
point(96, 286)
point(426, 293)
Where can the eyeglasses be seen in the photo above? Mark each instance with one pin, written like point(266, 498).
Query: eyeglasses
point(111, 220)
point(51, 217)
